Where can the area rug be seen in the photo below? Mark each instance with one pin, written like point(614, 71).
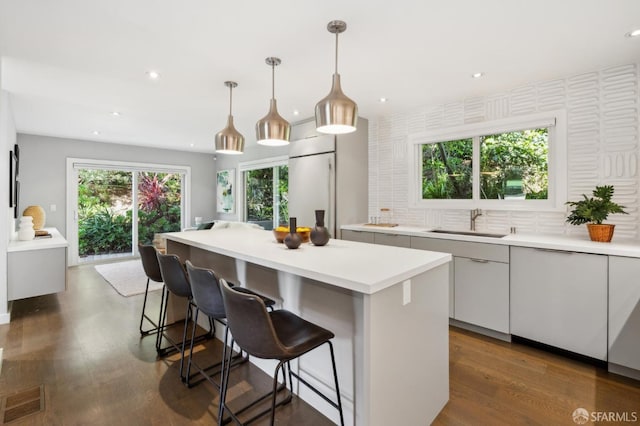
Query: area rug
point(127, 278)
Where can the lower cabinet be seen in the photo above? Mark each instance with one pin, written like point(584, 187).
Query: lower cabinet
point(559, 298)
point(624, 312)
point(392, 240)
point(482, 293)
point(479, 286)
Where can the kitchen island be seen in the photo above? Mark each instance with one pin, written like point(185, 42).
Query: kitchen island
point(388, 308)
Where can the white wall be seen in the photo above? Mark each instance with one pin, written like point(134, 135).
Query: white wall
point(43, 171)
point(603, 148)
point(7, 140)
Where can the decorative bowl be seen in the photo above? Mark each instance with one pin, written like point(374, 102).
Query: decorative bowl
point(281, 232)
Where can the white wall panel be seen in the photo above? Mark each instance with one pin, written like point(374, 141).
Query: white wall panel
point(603, 147)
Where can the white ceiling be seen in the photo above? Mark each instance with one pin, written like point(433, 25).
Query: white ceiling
point(69, 63)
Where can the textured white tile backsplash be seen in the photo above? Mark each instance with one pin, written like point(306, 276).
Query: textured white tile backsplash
point(603, 126)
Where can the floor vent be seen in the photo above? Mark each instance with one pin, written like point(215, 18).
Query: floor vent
point(22, 404)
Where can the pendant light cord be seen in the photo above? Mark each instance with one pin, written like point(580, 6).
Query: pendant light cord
point(273, 80)
point(336, 53)
point(230, 99)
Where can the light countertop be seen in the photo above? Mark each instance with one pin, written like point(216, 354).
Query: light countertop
point(363, 268)
point(618, 247)
point(56, 241)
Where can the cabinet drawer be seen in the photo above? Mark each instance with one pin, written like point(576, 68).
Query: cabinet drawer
point(392, 240)
point(483, 251)
point(360, 236)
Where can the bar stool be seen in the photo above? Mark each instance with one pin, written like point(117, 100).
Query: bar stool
point(280, 335)
point(207, 299)
point(152, 271)
point(176, 282)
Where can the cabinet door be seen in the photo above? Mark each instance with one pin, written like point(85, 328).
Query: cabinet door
point(36, 272)
point(360, 236)
point(560, 299)
point(423, 243)
point(482, 293)
point(624, 311)
point(392, 240)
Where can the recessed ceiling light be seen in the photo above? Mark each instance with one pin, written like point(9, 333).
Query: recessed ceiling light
point(115, 113)
point(153, 75)
point(192, 145)
point(296, 112)
point(95, 132)
point(382, 100)
point(634, 33)
point(477, 75)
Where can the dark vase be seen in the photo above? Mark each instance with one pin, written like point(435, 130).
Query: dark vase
point(292, 240)
point(319, 234)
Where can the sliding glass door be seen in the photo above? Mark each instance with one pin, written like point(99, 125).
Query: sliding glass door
point(113, 206)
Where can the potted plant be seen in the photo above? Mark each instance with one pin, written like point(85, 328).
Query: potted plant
point(593, 211)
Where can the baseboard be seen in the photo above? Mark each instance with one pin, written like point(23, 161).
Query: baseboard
point(5, 318)
point(480, 330)
point(623, 371)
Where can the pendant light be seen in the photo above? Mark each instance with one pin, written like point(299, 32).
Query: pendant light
point(336, 113)
point(272, 129)
point(229, 140)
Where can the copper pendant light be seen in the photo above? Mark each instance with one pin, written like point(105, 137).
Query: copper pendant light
point(336, 113)
point(272, 129)
point(229, 140)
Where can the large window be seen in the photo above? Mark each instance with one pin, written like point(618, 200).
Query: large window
point(265, 192)
point(507, 164)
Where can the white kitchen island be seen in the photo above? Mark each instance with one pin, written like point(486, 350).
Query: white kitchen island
point(387, 306)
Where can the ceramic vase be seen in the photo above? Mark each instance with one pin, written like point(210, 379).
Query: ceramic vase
point(25, 229)
point(38, 214)
point(292, 240)
point(319, 234)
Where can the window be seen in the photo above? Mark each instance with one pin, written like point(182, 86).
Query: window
point(507, 164)
point(265, 192)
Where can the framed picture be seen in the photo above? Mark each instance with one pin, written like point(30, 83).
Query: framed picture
point(12, 179)
point(225, 192)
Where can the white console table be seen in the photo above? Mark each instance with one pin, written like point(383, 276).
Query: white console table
point(37, 267)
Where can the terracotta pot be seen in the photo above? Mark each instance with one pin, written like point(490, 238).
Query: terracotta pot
point(600, 232)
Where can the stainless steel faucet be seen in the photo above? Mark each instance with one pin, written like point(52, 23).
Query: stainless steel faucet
point(473, 216)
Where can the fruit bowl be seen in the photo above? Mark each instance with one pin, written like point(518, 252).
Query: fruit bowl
point(281, 232)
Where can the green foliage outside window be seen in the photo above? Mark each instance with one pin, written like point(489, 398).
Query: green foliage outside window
point(105, 209)
point(261, 202)
point(513, 165)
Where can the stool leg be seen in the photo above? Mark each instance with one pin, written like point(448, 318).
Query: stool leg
point(335, 377)
point(275, 391)
point(224, 379)
point(193, 336)
point(162, 318)
point(187, 316)
point(144, 305)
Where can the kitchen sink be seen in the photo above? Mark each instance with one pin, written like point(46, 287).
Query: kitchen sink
point(471, 233)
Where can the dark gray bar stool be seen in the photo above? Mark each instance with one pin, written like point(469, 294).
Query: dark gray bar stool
point(279, 335)
point(176, 282)
point(152, 271)
point(207, 299)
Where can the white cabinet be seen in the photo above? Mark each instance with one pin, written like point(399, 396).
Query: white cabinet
point(560, 299)
point(482, 293)
point(624, 313)
point(359, 236)
point(36, 267)
point(479, 281)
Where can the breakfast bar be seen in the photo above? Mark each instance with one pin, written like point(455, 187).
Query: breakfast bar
point(387, 306)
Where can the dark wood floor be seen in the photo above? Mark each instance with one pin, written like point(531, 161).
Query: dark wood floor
point(83, 345)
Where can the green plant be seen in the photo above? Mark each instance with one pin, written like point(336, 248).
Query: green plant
point(594, 209)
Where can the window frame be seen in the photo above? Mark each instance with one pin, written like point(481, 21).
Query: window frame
point(555, 121)
point(255, 165)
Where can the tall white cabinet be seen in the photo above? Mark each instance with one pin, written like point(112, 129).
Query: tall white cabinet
point(624, 315)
